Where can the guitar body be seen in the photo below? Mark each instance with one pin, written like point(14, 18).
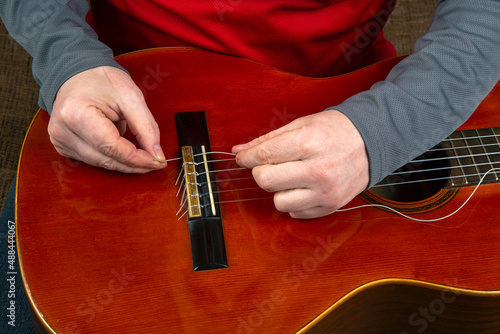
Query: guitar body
point(105, 252)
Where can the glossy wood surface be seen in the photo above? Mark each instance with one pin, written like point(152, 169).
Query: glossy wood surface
point(103, 252)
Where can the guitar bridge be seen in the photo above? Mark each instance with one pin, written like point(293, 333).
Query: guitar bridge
point(204, 220)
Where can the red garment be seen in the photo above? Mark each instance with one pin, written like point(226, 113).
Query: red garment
point(314, 38)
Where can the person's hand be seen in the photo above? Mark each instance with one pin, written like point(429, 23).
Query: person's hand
point(91, 113)
point(314, 165)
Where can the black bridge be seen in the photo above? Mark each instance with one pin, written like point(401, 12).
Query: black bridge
point(204, 220)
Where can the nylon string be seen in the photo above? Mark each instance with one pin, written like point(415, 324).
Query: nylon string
point(182, 186)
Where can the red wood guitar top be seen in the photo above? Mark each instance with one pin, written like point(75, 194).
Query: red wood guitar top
point(104, 252)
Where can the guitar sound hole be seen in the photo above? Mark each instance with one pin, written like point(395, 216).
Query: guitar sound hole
point(418, 180)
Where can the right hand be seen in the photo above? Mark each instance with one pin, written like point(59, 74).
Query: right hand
point(90, 114)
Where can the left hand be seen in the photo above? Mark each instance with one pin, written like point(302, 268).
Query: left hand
point(314, 165)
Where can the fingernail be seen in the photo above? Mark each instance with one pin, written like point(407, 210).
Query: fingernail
point(238, 148)
point(238, 161)
point(155, 165)
point(159, 153)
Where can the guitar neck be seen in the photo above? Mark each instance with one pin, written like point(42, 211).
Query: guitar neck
point(472, 153)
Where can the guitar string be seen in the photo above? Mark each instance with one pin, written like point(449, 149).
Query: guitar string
point(198, 154)
point(437, 149)
point(226, 191)
point(183, 200)
point(223, 202)
point(444, 168)
point(430, 150)
point(493, 164)
point(183, 203)
point(217, 181)
point(432, 179)
point(421, 221)
point(180, 186)
point(395, 173)
point(412, 161)
point(378, 185)
point(180, 158)
point(455, 157)
point(382, 185)
point(389, 184)
point(427, 220)
point(392, 174)
point(380, 205)
point(375, 186)
point(474, 137)
point(461, 147)
point(184, 197)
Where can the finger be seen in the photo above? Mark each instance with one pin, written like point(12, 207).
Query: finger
point(284, 176)
point(142, 124)
point(121, 125)
point(311, 213)
point(82, 151)
point(284, 147)
point(295, 200)
point(103, 137)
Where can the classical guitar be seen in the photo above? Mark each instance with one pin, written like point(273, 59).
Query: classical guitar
point(198, 248)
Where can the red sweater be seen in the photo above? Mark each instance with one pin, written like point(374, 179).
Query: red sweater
point(314, 38)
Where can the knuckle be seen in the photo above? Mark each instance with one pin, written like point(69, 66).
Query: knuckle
point(106, 149)
point(135, 93)
point(304, 141)
point(56, 133)
point(263, 155)
point(332, 201)
point(311, 138)
point(106, 164)
point(150, 129)
point(66, 114)
point(133, 96)
point(324, 173)
point(321, 173)
point(123, 155)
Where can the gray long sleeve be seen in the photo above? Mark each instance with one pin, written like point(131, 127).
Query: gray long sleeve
point(433, 91)
point(55, 34)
